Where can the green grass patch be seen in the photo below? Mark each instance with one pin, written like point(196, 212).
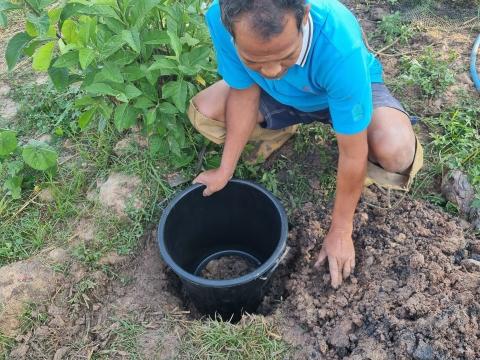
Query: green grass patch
point(251, 339)
point(6, 345)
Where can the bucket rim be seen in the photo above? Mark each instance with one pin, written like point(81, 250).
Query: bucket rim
point(270, 264)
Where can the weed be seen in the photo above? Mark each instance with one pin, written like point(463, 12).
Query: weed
point(250, 339)
point(393, 27)
point(428, 72)
point(6, 345)
point(32, 317)
point(126, 335)
point(80, 293)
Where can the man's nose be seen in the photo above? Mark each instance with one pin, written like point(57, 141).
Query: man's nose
point(271, 70)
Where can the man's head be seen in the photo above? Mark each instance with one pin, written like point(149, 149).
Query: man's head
point(267, 33)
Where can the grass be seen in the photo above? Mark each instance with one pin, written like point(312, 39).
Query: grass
point(6, 345)
point(252, 339)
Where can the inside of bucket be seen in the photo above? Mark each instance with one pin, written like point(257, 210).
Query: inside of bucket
point(239, 220)
point(227, 265)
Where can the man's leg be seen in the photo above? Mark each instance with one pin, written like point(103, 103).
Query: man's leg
point(207, 114)
point(394, 147)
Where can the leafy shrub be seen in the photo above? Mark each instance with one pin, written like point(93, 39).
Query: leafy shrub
point(393, 27)
point(137, 62)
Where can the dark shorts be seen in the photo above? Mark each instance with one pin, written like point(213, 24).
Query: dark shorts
point(279, 116)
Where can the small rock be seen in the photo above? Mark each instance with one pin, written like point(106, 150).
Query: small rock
point(423, 351)
point(401, 238)
point(123, 145)
point(457, 189)
point(474, 217)
point(471, 265)
point(46, 196)
point(378, 13)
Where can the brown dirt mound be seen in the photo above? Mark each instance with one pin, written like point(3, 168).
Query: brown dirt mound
point(227, 267)
point(409, 296)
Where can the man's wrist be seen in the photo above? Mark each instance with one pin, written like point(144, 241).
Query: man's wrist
point(226, 171)
point(341, 226)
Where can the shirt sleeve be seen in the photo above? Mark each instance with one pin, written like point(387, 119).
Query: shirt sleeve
point(349, 92)
point(230, 66)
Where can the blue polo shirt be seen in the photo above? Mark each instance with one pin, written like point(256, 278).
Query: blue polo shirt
point(335, 70)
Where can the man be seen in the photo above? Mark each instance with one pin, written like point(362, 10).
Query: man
point(286, 62)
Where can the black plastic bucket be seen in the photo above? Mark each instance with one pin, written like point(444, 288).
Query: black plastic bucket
point(243, 219)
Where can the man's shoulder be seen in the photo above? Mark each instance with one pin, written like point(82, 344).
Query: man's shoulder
point(335, 26)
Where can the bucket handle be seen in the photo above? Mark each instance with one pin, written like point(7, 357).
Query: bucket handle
point(277, 263)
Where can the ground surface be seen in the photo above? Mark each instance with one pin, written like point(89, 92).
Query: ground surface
point(82, 277)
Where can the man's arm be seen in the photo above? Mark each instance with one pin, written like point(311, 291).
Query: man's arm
point(338, 244)
point(240, 118)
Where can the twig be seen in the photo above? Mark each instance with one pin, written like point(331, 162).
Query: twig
point(198, 166)
point(22, 208)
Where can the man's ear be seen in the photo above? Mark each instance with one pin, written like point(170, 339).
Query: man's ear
point(307, 12)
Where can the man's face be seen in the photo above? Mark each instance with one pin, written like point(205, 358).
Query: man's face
point(273, 57)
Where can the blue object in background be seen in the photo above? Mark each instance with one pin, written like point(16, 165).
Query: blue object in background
point(473, 63)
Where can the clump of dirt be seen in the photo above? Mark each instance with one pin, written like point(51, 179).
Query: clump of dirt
point(411, 295)
point(227, 267)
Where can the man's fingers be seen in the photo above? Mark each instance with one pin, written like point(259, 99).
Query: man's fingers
point(334, 272)
point(207, 192)
point(321, 258)
point(347, 269)
point(352, 264)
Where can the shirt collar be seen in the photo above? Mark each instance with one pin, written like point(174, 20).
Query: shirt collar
point(307, 41)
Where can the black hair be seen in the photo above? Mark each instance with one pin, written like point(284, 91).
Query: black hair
point(267, 17)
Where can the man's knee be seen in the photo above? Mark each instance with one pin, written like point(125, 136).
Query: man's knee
point(394, 152)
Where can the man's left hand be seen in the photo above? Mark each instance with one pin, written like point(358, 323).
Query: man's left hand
point(339, 250)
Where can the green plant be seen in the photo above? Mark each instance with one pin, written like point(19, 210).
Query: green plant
point(431, 74)
point(394, 28)
point(137, 62)
point(32, 317)
point(19, 164)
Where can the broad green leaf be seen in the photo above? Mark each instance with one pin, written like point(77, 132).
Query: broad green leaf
point(8, 142)
point(7, 5)
point(156, 37)
point(31, 29)
point(42, 57)
point(54, 15)
point(141, 10)
point(86, 30)
point(114, 25)
point(110, 73)
point(143, 102)
point(101, 89)
point(15, 47)
point(68, 60)
point(152, 76)
point(33, 45)
point(40, 23)
point(39, 156)
point(84, 101)
point(85, 119)
point(174, 145)
point(131, 91)
point(14, 186)
point(123, 57)
point(125, 117)
point(177, 91)
point(175, 43)
point(132, 38)
point(85, 56)
point(106, 110)
point(15, 167)
point(167, 108)
point(199, 55)
point(133, 73)
point(151, 117)
point(189, 40)
point(99, 10)
point(69, 32)
point(3, 20)
point(162, 63)
point(59, 77)
point(112, 46)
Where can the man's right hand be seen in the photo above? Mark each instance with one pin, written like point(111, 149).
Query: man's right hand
point(214, 180)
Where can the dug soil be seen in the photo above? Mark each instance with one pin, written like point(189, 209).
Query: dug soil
point(415, 292)
point(227, 267)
